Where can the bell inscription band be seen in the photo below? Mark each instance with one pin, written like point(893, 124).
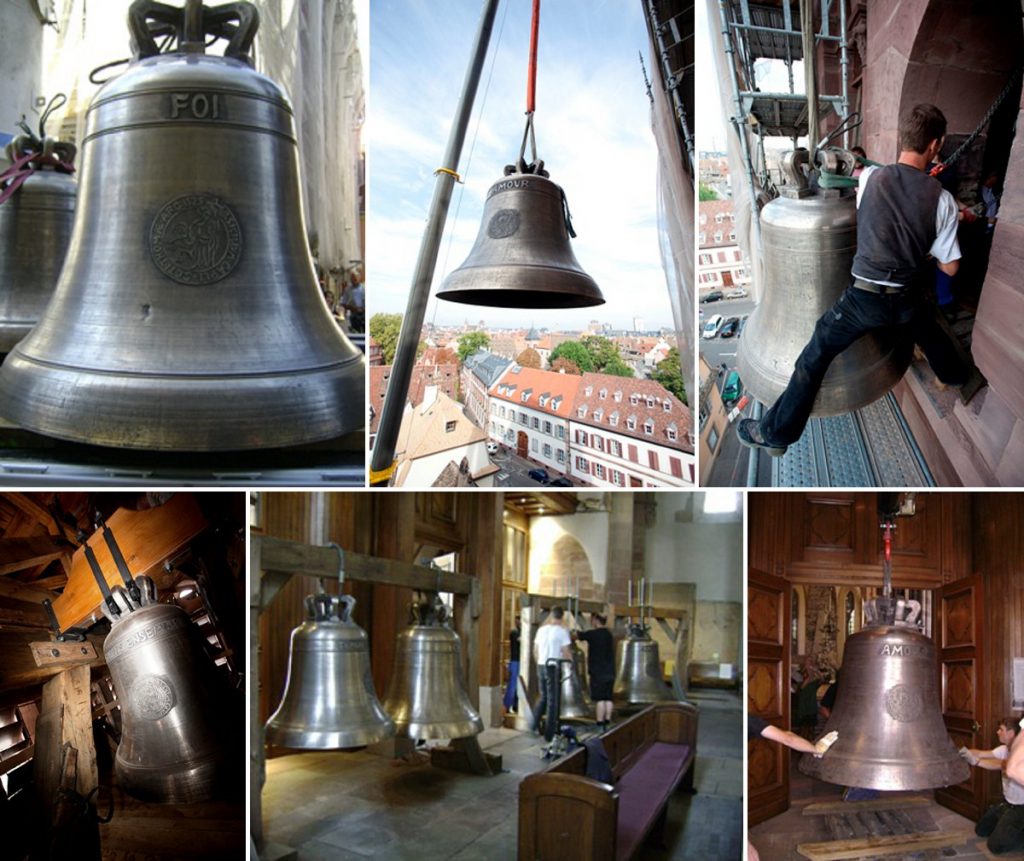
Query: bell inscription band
point(329, 701)
point(188, 314)
point(171, 749)
point(522, 257)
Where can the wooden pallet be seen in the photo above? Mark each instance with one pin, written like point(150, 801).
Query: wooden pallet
point(875, 829)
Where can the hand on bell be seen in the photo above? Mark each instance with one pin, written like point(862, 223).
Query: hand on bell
point(824, 743)
point(970, 757)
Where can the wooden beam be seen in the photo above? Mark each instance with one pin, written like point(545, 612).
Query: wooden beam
point(34, 510)
point(62, 655)
point(889, 844)
point(146, 539)
point(824, 808)
point(23, 614)
point(29, 592)
point(18, 669)
point(17, 554)
point(293, 557)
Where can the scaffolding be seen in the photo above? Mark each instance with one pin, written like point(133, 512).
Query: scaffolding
point(774, 31)
point(672, 30)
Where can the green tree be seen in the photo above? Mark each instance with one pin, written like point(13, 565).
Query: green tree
point(602, 351)
point(707, 192)
point(384, 329)
point(575, 352)
point(471, 342)
point(617, 368)
point(529, 358)
point(669, 373)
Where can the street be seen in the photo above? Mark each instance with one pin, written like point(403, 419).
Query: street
point(516, 468)
point(717, 350)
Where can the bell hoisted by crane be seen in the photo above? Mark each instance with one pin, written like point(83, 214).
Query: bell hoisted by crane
point(887, 712)
point(188, 314)
point(809, 239)
point(522, 257)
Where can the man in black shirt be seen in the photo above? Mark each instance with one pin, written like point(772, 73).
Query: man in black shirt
point(903, 217)
point(601, 666)
point(511, 698)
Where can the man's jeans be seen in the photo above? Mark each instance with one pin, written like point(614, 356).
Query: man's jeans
point(1003, 825)
point(856, 313)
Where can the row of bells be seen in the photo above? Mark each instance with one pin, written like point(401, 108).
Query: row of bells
point(188, 285)
point(329, 700)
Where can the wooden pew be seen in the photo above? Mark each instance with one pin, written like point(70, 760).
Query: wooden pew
point(566, 816)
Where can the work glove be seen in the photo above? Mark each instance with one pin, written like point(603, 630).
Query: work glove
point(970, 757)
point(824, 743)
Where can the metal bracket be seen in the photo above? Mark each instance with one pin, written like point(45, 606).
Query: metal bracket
point(75, 635)
point(122, 566)
point(101, 581)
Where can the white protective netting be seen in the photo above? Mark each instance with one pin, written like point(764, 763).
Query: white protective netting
point(309, 47)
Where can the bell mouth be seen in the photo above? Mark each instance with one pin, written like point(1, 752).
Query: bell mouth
point(538, 287)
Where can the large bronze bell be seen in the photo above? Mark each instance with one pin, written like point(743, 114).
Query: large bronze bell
point(35, 228)
point(426, 695)
point(329, 700)
point(522, 257)
point(575, 701)
point(809, 239)
point(638, 679)
point(887, 711)
point(172, 743)
point(187, 315)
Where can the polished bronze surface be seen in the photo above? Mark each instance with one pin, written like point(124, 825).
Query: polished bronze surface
point(638, 679)
point(809, 239)
point(887, 713)
point(35, 228)
point(188, 314)
point(329, 700)
point(426, 695)
point(575, 697)
point(172, 742)
point(522, 257)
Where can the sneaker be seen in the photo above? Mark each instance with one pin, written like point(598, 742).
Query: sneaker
point(749, 432)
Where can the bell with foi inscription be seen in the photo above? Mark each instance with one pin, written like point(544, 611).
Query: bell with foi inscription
point(188, 314)
point(329, 701)
point(810, 238)
point(522, 257)
point(426, 695)
point(887, 712)
point(172, 746)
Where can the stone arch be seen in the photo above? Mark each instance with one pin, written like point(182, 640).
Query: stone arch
point(566, 561)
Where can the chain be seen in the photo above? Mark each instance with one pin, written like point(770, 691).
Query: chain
point(956, 156)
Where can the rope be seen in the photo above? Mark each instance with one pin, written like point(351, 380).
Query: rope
point(973, 136)
point(23, 167)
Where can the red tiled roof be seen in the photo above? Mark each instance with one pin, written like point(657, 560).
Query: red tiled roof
point(537, 385)
point(445, 377)
point(633, 398)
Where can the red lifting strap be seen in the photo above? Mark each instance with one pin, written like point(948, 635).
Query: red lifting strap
point(531, 77)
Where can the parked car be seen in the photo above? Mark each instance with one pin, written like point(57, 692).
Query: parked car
point(493, 448)
point(561, 481)
point(712, 326)
point(713, 296)
point(736, 293)
point(729, 327)
point(733, 387)
point(540, 475)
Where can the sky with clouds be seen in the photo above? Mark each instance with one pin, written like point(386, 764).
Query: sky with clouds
point(593, 131)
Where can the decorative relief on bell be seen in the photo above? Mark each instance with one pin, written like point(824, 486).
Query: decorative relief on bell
point(195, 239)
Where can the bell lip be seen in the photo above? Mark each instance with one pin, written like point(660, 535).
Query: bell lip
point(503, 297)
point(876, 775)
point(162, 783)
point(334, 409)
point(304, 739)
point(439, 729)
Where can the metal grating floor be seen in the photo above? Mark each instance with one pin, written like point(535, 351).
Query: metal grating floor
point(869, 448)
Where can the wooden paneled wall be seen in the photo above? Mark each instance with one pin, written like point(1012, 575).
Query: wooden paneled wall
point(392, 525)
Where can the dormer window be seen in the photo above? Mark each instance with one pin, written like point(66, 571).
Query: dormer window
point(634, 399)
point(670, 431)
point(603, 394)
point(631, 422)
point(649, 427)
point(618, 397)
point(613, 419)
point(589, 391)
point(597, 414)
point(582, 412)
point(668, 405)
point(650, 402)
point(556, 403)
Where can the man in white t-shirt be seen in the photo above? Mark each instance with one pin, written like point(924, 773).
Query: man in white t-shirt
point(1003, 823)
point(551, 642)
